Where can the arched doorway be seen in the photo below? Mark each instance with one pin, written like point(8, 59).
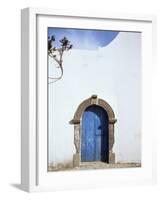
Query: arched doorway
point(94, 136)
point(105, 108)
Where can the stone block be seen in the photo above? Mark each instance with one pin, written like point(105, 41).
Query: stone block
point(76, 160)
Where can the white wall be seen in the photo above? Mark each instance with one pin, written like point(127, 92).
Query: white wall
point(114, 74)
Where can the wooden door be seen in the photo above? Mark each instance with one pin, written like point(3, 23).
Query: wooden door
point(94, 139)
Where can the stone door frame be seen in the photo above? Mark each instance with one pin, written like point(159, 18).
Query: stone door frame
point(93, 100)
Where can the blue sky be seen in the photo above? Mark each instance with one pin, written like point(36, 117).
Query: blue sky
point(83, 38)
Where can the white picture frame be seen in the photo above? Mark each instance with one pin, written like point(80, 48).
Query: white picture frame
point(34, 176)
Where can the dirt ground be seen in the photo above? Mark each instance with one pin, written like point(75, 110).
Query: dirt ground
point(92, 165)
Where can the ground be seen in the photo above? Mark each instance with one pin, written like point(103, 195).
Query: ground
point(92, 165)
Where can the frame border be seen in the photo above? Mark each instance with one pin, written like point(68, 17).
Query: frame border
point(29, 144)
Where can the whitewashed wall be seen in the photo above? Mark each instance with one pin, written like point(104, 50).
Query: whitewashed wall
point(114, 74)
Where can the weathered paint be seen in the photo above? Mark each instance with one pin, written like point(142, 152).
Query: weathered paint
point(94, 143)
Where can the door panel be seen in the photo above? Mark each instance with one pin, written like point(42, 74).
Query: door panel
point(94, 140)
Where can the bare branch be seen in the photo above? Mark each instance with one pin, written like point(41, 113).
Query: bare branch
point(65, 43)
point(52, 56)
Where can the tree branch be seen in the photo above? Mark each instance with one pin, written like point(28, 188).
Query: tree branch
point(65, 43)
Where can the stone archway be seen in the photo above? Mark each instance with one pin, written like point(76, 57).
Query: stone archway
point(93, 100)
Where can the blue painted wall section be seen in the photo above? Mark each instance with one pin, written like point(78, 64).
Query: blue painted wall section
point(94, 139)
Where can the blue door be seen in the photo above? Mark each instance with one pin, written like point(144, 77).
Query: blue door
point(94, 139)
